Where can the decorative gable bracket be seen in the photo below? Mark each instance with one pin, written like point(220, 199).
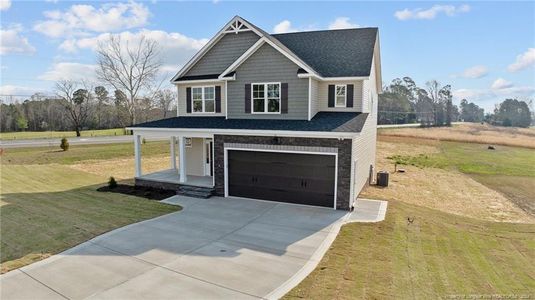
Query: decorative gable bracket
point(236, 27)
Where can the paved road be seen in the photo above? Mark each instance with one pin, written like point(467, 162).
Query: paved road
point(54, 142)
point(217, 248)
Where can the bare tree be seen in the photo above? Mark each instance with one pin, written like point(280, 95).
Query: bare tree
point(164, 99)
point(128, 68)
point(76, 102)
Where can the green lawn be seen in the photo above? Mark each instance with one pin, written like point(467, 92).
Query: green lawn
point(46, 209)
point(508, 170)
point(476, 159)
point(76, 153)
point(58, 134)
point(437, 256)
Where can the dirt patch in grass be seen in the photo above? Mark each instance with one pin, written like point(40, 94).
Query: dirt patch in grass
point(140, 191)
point(437, 256)
point(519, 189)
point(122, 168)
point(445, 189)
point(471, 133)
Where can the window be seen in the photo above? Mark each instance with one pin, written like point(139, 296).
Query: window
point(266, 98)
point(203, 99)
point(340, 100)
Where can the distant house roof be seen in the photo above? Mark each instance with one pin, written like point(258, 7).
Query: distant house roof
point(334, 53)
point(322, 121)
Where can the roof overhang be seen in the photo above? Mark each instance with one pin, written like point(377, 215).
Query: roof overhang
point(347, 78)
point(208, 132)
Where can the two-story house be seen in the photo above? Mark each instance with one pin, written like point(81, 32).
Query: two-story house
point(279, 117)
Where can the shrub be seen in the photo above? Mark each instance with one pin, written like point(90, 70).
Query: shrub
point(64, 144)
point(112, 183)
point(143, 141)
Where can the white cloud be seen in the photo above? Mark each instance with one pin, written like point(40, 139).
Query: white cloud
point(342, 23)
point(11, 41)
point(284, 27)
point(523, 61)
point(81, 19)
point(5, 4)
point(69, 71)
point(475, 72)
point(431, 13)
point(175, 48)
point(500, 84)
point(18, 90)
point(494, 94)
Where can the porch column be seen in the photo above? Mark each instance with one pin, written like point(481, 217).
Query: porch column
point(182, 158)
point(137, 154)
point(173, 153)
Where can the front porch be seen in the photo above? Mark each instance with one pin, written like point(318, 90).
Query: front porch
point(172, 176)
point(190, 164)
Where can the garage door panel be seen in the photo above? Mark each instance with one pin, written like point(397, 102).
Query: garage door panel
point(285, 177)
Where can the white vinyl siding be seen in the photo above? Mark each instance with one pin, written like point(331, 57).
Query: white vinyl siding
point(314, 101)
point(364, 146)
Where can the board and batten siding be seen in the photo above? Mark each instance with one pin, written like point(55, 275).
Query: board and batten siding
point(364, 146)
point(181, 100)
point(268, 65)
point(223, 53)
point(323, 96)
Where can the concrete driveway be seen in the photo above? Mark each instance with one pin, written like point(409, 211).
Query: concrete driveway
point(214, 248)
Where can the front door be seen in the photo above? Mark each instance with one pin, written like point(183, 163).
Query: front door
point(208, 149)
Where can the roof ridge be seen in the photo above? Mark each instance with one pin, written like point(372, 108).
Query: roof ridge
point(323, 30)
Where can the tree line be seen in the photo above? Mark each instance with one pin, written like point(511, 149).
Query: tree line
point(129, 70)
point(403, 102)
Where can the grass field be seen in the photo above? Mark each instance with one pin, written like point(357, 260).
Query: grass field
point(58, 134)
point(439, 255)
point(77, 153)
point(470, 133)
point(48, 205)
point(434, 179)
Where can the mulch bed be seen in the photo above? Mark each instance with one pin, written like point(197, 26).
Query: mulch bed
point(140, 191)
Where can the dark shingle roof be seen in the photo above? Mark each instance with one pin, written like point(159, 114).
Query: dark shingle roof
point(334, 53)
point(322, 121)
point(198, 77)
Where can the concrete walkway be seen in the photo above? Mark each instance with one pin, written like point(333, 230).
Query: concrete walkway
point(214, 248)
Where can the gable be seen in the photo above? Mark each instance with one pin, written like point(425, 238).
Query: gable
point(229, 48)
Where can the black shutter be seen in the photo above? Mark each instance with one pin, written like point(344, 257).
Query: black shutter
point(218, 99)
point(349, 102)
point(284, 98)
point(331, 95)
point(248, 98)
point(188, 100)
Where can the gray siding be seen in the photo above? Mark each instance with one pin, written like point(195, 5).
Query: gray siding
point(268, 65)
point(223, 53)
point(323, 96)
point(181, 100)
point(314, 97)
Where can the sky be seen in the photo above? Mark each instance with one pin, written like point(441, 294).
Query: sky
point(484, 50)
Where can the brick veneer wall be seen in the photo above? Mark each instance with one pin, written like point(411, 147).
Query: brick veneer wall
point(344, 159)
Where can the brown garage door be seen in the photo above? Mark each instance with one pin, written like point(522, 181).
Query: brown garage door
point(283, 177)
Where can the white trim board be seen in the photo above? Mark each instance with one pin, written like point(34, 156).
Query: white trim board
point(225, 157)
point(203, 132)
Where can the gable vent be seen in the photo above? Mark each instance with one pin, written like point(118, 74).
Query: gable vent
point(236, 27)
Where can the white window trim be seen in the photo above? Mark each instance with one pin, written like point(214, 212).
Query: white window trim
point(265, 112)
point(203, 100)
point(336, 96)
